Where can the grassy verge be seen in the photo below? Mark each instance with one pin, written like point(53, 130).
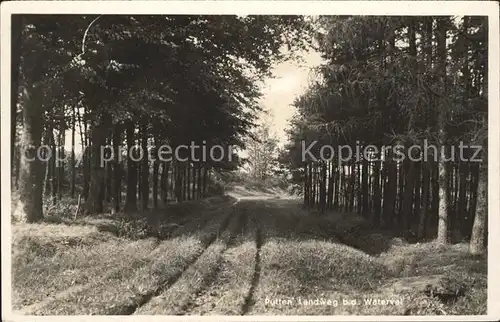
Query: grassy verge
point(48, 259)
point(47, 279)
point(313, 265)
point(120, 293)
point(58, 267)
point(260, 257)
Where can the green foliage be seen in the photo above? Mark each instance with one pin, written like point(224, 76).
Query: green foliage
point(176, 71)
point(183, 79)
point(262, 150)
point(375, 90)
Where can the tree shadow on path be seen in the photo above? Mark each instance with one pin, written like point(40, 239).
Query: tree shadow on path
point(285, 218)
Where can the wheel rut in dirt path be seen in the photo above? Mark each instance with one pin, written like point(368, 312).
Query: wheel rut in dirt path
point(129, 286)
point(249, 299)
point(143, 299)
point(176, 298)
point(227, 261)
point(202, 296)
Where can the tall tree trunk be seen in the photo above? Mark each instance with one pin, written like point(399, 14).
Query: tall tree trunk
point(390, 191)
point(131, 198)
point(83, 141)
point(376, 193)
point(409, 186)
point(188, 181)
point(199, 193)
point(73, 157)
point(450, 198)
point(193, 193)
point(479, 234)
point(357, 194)
point(425, 202)
point(402, 172)
point(29, 207)
point(169, 180)
point(94, 203)
point(17, 159)
point(417, 197)
point(322, 183)
point(139, 182)
point(331, 184)
point(47, 185)
point(182, 181)
point(108, 175)
point(464, 166)
point(462, 197)
point(209, 176)
point(162, 184)
point(86, 155)
point(314, 190)
point(443, 220)
point(477, 241)
point(309, 185)
point(433, 217)
point(429, 216)
point(365, 188)
point(185, 181)
point(116, 190)
point(471, 211)
point(178, 184)
point(16, 27)
point(456, 193)
point(318, 185)
point(205, 179)
point(337, 187)
point(145, 166)
point(46, 180)
point(411, 173)
point(53, 168)
point(344, 188)
point(354, 201)
point(156, 166)
point(60, 165)
point(195, 180)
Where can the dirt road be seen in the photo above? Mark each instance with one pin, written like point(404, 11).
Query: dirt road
point(251, 256)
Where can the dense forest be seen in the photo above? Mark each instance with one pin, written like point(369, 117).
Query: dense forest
point(376, 204)
point(407, 81)
point(127, 81)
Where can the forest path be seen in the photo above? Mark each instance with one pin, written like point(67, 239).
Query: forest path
point(257, 255)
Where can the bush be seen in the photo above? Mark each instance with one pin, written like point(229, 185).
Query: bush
point(238, 178)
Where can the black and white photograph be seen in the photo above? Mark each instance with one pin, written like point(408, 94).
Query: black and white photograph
point(193, 158)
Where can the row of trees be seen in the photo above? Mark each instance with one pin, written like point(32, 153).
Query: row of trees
point(263, 149)
point(135, 80)
point(391, 81)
